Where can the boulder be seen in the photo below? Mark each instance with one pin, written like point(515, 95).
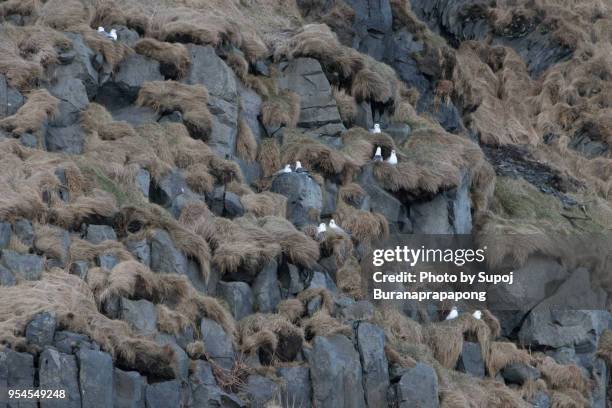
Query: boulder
point(28, 267)
point(356, 311)
point(165, 257)
point(261, 390)
point(107, 261)
point(211, 71)
point(143, 181)
point(70, 343)
point(319, 113)
point(600, 382)
point(471, 361)
point(266, 290)
point(41, 329)
point(238, 296)
point(80, 66)
point(181, 360)
point(126, 36)
point(10, 99)
point(96, 378)
point(431, 217)
point(69, 139)
point(304, 197)
point(163, 394)
point(5, 234)
point(29, 140)
point(135, 115)
point(131, 74)
point(574, 316)
point(80, 269)
point(72, 95)
point(418, 387)
point(205, 391)
point(140, 314)
point(6, 277)
point(58, 253)
point(3, 379)
point(290, 279)
point(296, 389)
point(219, 345)
point(322, 280)
point(335, 371)
point(166, 190)
point(330, 197)
point(537, 279)
point(371, 347)
point(58, 371)
point(382, 201)
point(129, 389)
point(141, 251)
point(251, 108)
point(24, 231)
point(20, 375)
point(519, 373)
point(372, 25)
point(97, 234)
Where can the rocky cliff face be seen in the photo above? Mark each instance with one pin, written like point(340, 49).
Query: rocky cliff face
point(152, 255)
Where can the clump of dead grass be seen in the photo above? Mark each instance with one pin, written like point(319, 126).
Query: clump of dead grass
point(38, 109)
point(190, 100)
point(270, 336)
point(246, 144)
point(322, 324)
point(174, 58)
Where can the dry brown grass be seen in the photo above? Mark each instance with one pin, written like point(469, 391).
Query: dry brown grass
point(399, 329)
point(73, 302)
point(327, 300)
point(272, 335)
point(364, 226)
point(190, 100)
point(174, 59)
point(322, 324)
point(347, 106)
point(40, 107)
point(25, 53)
point(445, 339)
point(269, 157)
point(281, 109)
point(266, 203)
point(318, 157)
point(246, 145)
point(97, 119)
point(348, 279)
point(292, 309)
point(504, 353)
point(562, 377)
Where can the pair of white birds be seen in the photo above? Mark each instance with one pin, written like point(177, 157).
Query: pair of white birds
point(454, 313)
point(298, 168)
point(332, 225)
point(392, 160)
point(112, 35)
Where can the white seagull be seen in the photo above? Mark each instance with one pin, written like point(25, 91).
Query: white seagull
point(286, 169)
point(378, 154)
point(477, 314)
point(376, 128)
point(112, 35)
point(453, 313)
point(335, 227)
point(299, 168)
point(321, 228)
point(392, 160)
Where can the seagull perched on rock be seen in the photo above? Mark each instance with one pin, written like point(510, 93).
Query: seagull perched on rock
point(299, 168)
point(453, 314)
point(286, 169)
point(378, 154)
point(321, 230)
point(112, 35)
point(477, 314)
point(376, 128)
point(336, 227)
point(392, 160)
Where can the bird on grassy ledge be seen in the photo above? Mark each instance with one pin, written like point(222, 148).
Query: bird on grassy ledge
point(321, 230)
point(378, 154)
point(286, 169)
point(299, 168)
point(376, 129)
point(112, 35)
point(335, 227)
point(453, 314)
point(477, 315)
point(392, 160)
